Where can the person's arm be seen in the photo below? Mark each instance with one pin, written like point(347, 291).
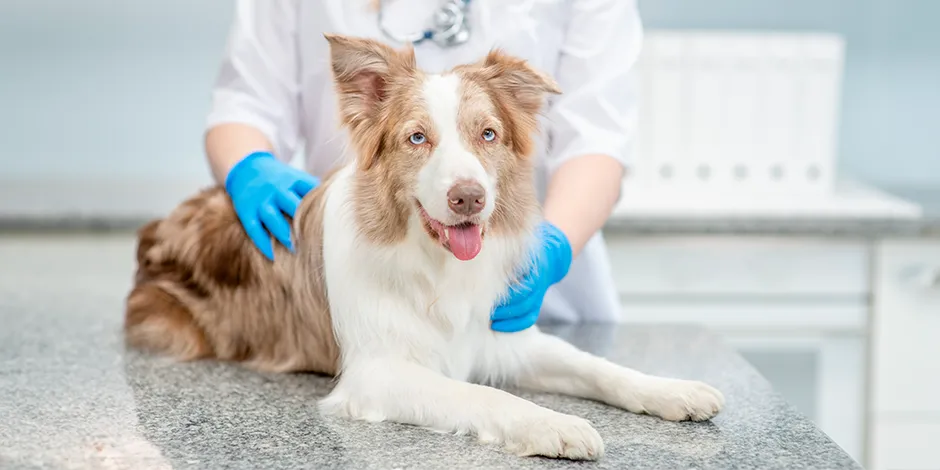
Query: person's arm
point(591, 129)
point(581, 195)
point(593, 120)
point(255, 95)
point(228, 143)
point(253, 126)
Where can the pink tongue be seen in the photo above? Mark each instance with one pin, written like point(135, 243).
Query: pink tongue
point(465, 241)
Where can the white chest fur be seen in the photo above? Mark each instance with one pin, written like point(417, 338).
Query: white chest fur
point(413, 299)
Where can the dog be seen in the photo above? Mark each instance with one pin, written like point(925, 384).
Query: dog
point(401, 255)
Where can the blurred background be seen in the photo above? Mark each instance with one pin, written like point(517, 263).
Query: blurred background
point(802, 223)
point(124, 89)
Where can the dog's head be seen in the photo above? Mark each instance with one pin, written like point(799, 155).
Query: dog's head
point(451, 151)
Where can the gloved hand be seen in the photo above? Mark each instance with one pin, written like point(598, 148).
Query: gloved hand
point(261, 187)
point(550, 265)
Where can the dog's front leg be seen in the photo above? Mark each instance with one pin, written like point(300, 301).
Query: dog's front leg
point(549, 364)
point(402, 391)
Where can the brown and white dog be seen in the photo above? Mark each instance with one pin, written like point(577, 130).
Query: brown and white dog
point(401, 256)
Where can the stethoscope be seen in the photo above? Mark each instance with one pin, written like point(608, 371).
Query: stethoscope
point(449, 27)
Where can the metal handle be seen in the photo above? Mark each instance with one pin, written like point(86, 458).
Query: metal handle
point(922, 276)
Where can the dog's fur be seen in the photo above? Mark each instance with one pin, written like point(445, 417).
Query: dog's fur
point(375, 294)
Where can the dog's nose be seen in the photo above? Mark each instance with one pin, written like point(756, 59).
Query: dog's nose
point(466, 197)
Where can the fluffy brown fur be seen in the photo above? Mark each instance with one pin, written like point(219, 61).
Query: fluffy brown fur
point(202, 290)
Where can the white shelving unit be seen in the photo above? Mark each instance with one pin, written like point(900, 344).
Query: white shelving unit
point(751, 113)
point(744, 126)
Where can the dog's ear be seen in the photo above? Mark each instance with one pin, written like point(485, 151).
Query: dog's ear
point(362, 69)
point(519, 90)
point(526, 86)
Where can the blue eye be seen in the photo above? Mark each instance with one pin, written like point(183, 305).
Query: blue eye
point(489, 135)
point(417, 138)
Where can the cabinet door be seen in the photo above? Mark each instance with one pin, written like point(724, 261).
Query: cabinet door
point(905, 445)
point(906, 329)
point(717, 267)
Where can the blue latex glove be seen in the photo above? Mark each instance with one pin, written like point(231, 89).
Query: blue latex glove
point(551, 262)
point(261, 188)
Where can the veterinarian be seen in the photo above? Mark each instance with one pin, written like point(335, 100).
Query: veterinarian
point(274, 98)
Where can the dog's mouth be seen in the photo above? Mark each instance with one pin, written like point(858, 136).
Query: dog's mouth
point(464, 239)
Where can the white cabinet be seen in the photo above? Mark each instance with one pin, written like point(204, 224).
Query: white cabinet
point(906, 336)
point(847, 330)
point(796, 308)
point(905, 446)
point(716, 266)
point(905, 401)
point(734, 283)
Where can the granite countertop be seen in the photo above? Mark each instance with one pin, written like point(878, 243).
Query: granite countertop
point(74, 398)
point(758, 223)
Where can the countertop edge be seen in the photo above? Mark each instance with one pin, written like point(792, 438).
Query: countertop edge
point(825, 227)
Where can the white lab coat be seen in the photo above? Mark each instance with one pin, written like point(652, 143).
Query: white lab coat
point(275, 76)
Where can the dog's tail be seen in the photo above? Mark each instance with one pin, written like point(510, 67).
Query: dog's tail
point(155, 319)
point(146, 239)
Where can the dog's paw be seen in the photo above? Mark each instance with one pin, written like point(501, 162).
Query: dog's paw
point(555, 435)
point(681, 400)
point(340, 405)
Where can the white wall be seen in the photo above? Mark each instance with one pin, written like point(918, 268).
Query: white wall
point(103, 101)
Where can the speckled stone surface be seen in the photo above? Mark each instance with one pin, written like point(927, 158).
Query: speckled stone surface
point(72, 397)
point(835, 227)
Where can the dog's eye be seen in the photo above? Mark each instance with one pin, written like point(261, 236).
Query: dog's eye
point(489, 135)
point(417, 138)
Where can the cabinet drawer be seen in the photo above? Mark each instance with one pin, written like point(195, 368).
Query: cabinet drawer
point(745, 315)
point(905, 446)
point(737, 266)
point(906, 327)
